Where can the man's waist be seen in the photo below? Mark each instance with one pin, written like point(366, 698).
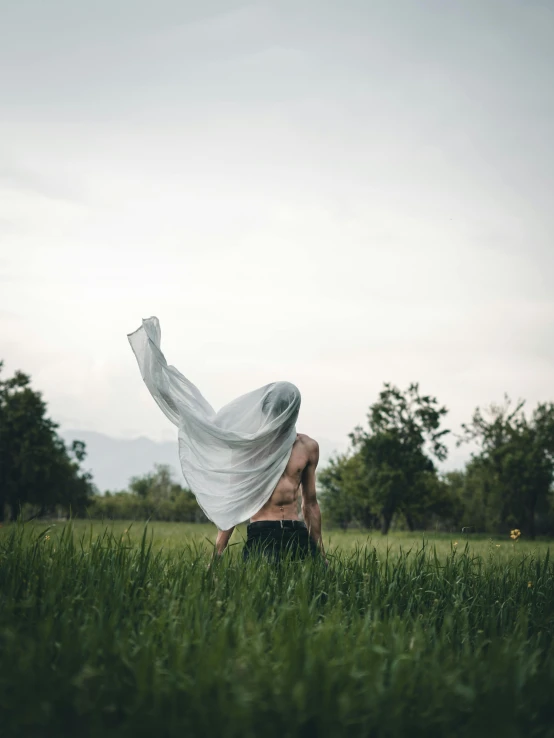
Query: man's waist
point(289, 524)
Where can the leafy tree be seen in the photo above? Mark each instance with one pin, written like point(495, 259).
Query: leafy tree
point(475, 497)
point(344, 492)
point(35, 465)
point(157, 485)
point(515, 460)
point(404, 434)
point(153, 496)
point(469, 506)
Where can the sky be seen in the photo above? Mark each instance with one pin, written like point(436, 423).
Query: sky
point(333, 194)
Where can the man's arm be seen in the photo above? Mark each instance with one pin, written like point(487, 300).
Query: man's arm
point(222, 540)
point(310, 505)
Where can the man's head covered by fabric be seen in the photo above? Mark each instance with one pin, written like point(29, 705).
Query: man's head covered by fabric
point(281, 403)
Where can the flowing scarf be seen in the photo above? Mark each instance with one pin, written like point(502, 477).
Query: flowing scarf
point(233, 459)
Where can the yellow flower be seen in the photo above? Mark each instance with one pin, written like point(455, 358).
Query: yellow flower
point(455, 543)
point(46, 538)
point(529, 584)
point(497, 545)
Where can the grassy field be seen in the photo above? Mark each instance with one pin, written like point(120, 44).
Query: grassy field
point(173, 536)
point(121, 631)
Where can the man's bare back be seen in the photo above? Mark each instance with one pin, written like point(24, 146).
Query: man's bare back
point(283, 503)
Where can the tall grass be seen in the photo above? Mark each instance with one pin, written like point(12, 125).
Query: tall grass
point(103, 637)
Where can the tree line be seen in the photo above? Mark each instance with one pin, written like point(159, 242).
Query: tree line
point(41, 476)
point(152, 496)
point(388, 477)
point(389, 474)
point(38, 471)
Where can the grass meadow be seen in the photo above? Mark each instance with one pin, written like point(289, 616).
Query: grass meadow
point(123, 630)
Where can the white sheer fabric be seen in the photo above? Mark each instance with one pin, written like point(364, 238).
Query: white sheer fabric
point(232, 459)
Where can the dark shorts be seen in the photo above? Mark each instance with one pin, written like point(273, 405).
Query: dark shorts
point(276, 539)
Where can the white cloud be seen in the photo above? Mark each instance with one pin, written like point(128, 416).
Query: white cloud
point(338, 200)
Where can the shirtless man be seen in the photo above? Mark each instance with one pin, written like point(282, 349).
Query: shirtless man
point(277, 522)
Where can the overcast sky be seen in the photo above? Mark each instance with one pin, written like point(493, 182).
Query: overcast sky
point(331, 193)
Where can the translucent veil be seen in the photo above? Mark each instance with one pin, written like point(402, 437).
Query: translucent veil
point(232, 459)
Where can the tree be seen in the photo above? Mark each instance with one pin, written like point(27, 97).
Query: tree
point(35, 465)
point(157, 485)
point(344, 495)
point(516, 460)
point(152, 496)
point(473, 504)
point(404, 433)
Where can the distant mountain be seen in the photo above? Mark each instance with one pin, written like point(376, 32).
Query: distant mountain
point(113, 461)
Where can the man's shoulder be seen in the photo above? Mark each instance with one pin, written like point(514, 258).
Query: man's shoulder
point(310, 445)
